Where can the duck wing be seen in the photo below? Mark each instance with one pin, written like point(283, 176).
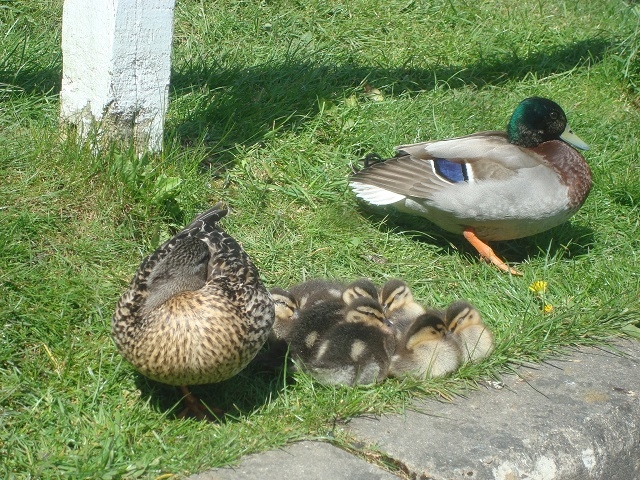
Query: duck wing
point(186, 246)
point(181, 263)
point(186, 252)
point(423, 169)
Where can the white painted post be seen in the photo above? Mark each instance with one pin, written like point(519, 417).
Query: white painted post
point(116, 69)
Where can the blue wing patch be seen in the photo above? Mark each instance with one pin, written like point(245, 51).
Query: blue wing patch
point(451, 171)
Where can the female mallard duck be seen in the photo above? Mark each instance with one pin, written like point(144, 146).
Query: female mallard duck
point(355, 351)
point(196, 311)
point(426, 350)
point(473, 336)
point(490, 185)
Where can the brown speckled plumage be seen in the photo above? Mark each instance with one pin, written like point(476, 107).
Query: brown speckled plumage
point(196, 311)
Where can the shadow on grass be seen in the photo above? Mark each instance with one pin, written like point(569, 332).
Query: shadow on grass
point(32, 81)
point(242, 105)
point(28, 66)
point(239, 396)
point(565, 241)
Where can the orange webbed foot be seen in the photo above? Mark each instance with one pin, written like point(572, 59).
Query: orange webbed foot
point(487, 252)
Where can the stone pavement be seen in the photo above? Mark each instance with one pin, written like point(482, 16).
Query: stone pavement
point(574, 418)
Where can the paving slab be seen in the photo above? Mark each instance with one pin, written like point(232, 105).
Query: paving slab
point(572, 418)
point(300, 461)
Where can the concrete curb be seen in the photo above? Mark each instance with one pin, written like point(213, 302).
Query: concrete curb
point(577, 417)
point(302, 461)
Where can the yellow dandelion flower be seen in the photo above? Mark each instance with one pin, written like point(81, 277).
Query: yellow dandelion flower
point(538, 287)
point(548, 308)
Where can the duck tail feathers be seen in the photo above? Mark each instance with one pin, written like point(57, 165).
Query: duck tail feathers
point(375, 195)
point(211, 216)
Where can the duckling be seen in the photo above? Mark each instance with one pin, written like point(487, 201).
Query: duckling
point(426, 350)
point(313, 322)
point(472, 335)
point(196, 311)
point(316, 290)
point(362, 287)
point(321, 312)
point(287, 307)
point(399, 305)
point(490, 185)
point(286, 312)
point(355, 351)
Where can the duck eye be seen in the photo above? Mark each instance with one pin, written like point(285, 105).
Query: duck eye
point(553, 115)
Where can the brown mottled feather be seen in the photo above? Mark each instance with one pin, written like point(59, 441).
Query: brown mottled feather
point(196, 311)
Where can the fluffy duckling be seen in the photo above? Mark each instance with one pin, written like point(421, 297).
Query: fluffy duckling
point(399, 305)
point(319, 290)
point(313, 322)
point(491, 185)
point(286, 316)
point(362, 287)
point(357, 350)
point(472, 335)
point(426, 350)
point(286, 313)
point(196, 311)
point(316, 290)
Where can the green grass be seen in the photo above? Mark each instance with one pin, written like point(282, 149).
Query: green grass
point(270, 106)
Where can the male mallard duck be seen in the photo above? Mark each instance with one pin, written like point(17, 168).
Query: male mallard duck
point(490, 185)
point(426, 350)
point(399, 305)
point(355, 351)
point(196, 311)
point(473, 336)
